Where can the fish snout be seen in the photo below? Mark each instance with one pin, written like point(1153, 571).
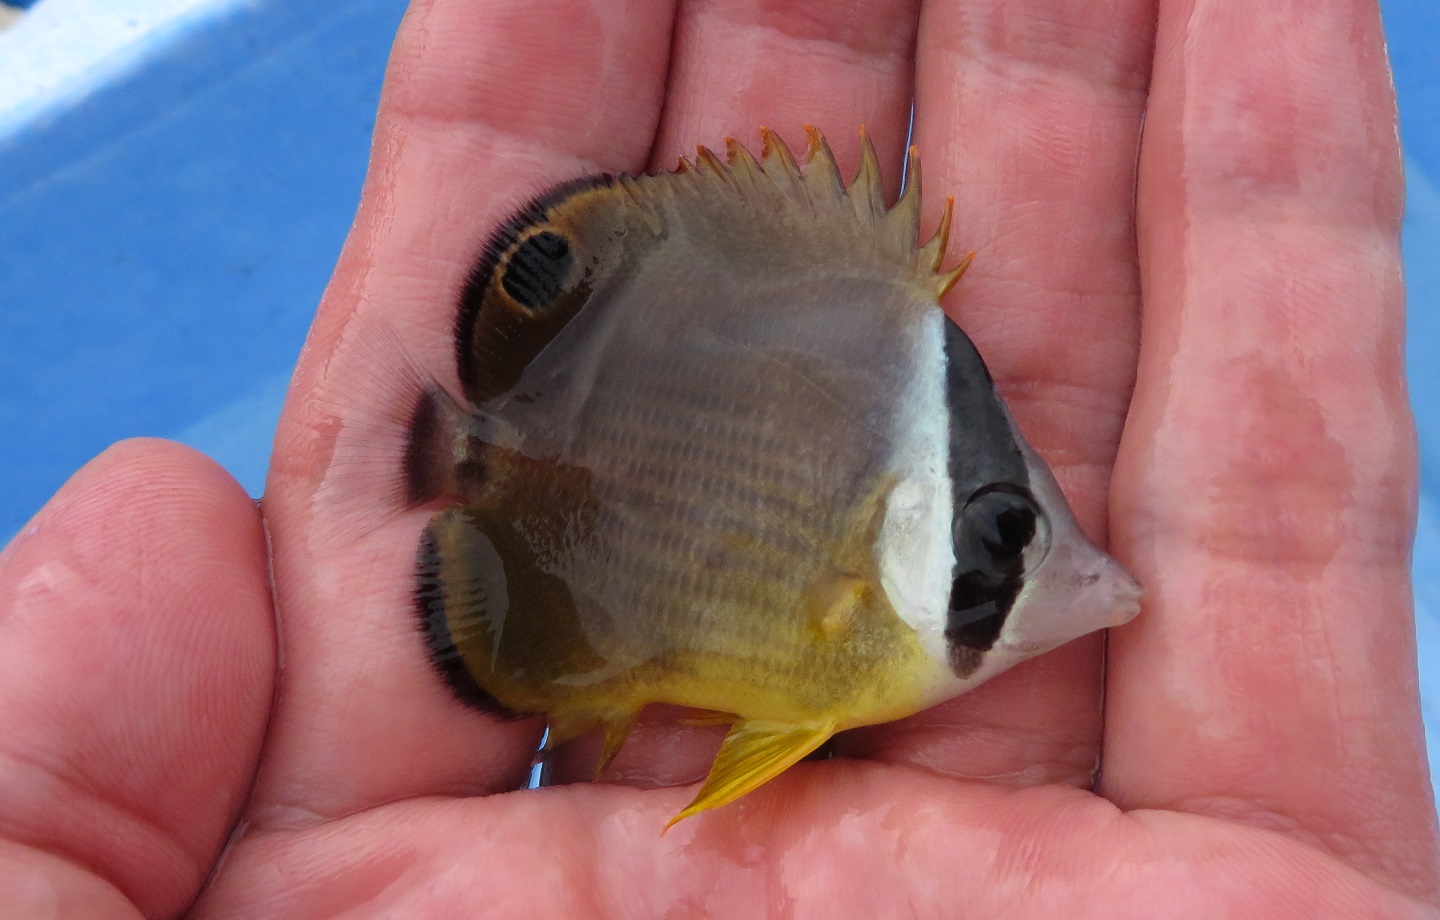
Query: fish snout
point(1078, 590)
point(1111, 588)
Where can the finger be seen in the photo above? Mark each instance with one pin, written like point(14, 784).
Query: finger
point(485, 104)
point(740, 64)
point(1029, 113)
point(843, 841)
point(1268, 473)
point(136, 670)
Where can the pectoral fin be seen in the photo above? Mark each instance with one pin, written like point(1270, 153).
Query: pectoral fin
point(754, 753)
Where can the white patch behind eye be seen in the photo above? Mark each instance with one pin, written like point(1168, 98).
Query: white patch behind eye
point(916, 555)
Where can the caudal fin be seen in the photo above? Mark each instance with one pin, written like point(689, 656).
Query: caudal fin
point(436, 448)
point(389, 430)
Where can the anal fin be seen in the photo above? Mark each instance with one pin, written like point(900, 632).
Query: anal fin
point(752, 754)
point(617, 729)
point(563, 726)
point(567, 726)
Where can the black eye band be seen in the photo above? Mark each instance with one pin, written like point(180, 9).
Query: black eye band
point(997, 533)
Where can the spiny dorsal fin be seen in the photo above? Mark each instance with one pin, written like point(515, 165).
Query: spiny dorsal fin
point(933, 252)
point(866, 192)
point(776, 200)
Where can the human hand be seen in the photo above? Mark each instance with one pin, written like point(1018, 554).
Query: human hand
point(1252, 451)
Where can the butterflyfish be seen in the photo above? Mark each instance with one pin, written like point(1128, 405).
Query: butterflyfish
point(720, 447)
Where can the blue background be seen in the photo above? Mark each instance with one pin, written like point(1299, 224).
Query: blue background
point(165, 235)
point(171, 205)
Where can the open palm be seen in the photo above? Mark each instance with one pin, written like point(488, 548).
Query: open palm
point(1212, 366)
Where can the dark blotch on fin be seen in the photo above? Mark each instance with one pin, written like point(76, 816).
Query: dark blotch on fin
point(476, 366)
point(503, 627)
point(537, 270)
point(435, 625)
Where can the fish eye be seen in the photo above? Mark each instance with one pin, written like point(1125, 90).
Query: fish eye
point(1004, 522)
point(537, 269)
point(1000, 536)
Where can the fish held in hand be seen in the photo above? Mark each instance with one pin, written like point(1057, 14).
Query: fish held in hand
point(720, 447)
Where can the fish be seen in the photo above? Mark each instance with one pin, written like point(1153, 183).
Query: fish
point(719, 446)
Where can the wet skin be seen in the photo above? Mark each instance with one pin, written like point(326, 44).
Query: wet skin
point(1249, 456)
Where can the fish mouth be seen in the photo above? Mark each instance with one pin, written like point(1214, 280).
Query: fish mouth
point(1071, 597)
point(1124, 592)
point(1104, 595)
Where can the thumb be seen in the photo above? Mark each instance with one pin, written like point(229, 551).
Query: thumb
point(137, 657)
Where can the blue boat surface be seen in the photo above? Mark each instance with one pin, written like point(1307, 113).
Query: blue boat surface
point(177, 176)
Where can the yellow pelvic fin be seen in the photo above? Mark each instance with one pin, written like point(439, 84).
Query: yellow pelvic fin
point(753, 754)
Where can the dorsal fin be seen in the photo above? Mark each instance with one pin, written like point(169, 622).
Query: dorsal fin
point(542, 266)
point(777, 201)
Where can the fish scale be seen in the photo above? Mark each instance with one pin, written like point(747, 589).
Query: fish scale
point(684, 456)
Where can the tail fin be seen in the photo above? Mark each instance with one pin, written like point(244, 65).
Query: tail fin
point(430, 441)
point(395, 439)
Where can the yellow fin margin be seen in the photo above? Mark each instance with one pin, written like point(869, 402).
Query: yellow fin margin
point(933, 252)
point(947, 280)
